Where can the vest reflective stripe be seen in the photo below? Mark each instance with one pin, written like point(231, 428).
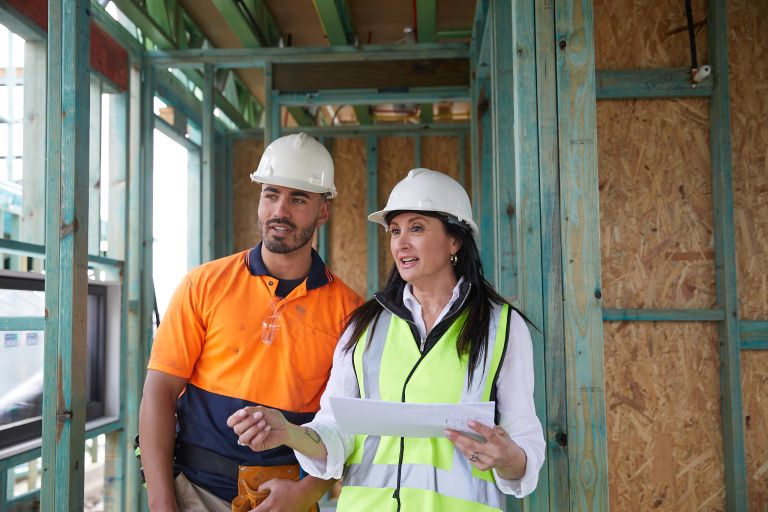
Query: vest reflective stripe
point(424, 477)
point(372, 356)
point(431, 466)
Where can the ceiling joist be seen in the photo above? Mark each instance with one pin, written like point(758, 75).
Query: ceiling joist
point(426, 14)
point(336, 18)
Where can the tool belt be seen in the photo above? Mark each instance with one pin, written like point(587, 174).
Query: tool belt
point(251, 477)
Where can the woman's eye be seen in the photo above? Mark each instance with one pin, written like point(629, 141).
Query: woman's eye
point(417, 228)
point(394, 231)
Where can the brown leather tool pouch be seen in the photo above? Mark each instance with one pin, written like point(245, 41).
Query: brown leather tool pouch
point(251, 477)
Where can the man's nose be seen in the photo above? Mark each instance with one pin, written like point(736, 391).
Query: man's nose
point(281, 208)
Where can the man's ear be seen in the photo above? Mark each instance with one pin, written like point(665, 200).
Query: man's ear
point(325, 211)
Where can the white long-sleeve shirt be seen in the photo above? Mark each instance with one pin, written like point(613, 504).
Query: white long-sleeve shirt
point(514, 400)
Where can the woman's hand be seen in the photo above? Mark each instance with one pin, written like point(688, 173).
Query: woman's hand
point(498, 452)
point(260, 428)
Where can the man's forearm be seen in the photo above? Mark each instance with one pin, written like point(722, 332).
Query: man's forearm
point(157, 433)
point(315, 488)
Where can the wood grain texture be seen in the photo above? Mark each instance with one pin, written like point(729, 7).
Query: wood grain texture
point(655, 204)
point(395, 158)
point(754, 381)
point(579, 217)
point(551, 257)
point(665, 448)
point(348, 224)
point(748, 54)
point(377, 75)
point(646, 34)
point(245, 193)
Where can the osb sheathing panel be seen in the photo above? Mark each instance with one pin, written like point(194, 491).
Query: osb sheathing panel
point(655, 204)
point(748, 54)
point(441, 153)
point(754, 381)
point(395, 159)
point(245, 159)
point(347, 251)
point(646, 34)
point(396, 156)
point(662, 398)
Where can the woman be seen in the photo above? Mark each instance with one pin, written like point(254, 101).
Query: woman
point(437, 332)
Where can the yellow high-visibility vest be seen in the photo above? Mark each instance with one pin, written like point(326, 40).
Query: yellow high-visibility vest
point(433, 475)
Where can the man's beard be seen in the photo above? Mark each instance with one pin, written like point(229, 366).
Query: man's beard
point(291, 242)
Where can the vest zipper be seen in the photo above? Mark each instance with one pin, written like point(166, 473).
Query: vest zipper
point(396, 494)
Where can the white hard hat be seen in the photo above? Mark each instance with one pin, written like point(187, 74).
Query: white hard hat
point(297, 161)
point(428, 191)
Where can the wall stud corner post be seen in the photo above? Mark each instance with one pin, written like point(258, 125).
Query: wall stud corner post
point(580, 228)
point(66, 286)
point(725, 262)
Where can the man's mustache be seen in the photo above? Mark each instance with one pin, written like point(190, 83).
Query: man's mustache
point(283, 220)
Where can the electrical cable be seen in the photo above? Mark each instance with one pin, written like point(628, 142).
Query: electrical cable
point(691, 34)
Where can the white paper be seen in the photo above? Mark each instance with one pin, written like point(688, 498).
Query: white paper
point(375, 417)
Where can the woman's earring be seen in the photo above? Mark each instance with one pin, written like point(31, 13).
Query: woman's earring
point(454, 259)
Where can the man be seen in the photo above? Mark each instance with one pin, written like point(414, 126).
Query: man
point(258, 327)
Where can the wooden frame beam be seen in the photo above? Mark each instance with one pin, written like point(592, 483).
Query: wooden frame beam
point(371, 205)
point(426, 14)
point(725, 261)
point(650, 83)
point(257, 57)
point(580, 228)
point(336, 20)
point(66, 254)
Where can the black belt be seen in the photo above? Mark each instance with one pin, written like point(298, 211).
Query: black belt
point(205, 460)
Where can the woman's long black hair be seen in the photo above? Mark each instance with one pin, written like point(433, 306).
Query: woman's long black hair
point(473, 336)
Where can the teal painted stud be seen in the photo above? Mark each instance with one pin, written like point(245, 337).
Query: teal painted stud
point(580, 228)
point(371, 205)
point(725, 261)
point(66, 255)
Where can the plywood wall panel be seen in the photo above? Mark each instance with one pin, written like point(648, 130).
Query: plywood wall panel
point(748, 54)
point(395, 159)
point(347, 252)
point(441, 153)
point(655, 204)
point(662, 398)
point(754, 382)
point(646, 34)
point(245, 208)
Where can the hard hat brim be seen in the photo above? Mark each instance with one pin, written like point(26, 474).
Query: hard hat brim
point(297, 184)
point(380, 217)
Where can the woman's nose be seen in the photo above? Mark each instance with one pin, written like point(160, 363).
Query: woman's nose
point(402, 240)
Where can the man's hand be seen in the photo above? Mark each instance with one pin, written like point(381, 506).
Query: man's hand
point(288, 496)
